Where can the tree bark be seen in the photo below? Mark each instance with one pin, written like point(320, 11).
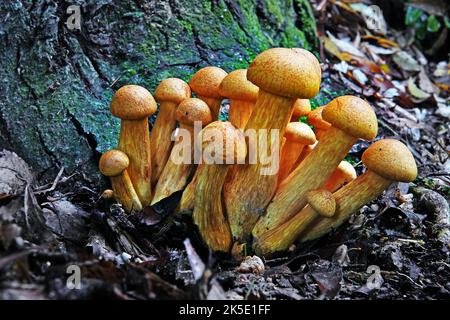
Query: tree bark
point(56, 83)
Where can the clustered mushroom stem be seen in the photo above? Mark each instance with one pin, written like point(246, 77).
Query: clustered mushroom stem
point(283, 235)
point(312, 172)
point(187, 199)
point(175, 175)
point(208, 208)
point(240, 112)
point(214, 105)
point(134, 141)
point(349, 199)
point(247, 196)
point(124, 192)
point(160, 141)
point(290, 152)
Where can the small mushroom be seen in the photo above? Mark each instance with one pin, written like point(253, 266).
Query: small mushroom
point(321, 203)
point(134, 104)
point(351, 118)
point(315, 119)
point(302, 107)
point(177, 171)
point(306, 151)
point(343, 174)
point(114, 164)
point(205, 83)
point(297, 135)
point(282, 75)
point(169, 93)
point(222, 145)
point(387, 161)
point(242, 94)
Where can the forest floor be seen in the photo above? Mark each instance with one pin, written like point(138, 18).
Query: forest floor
point(396, 247)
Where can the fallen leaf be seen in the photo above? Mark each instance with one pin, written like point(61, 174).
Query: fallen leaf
point(345, 46)
point(373, 17)
point(416, 92)
point(426, 84)
point(406, 62)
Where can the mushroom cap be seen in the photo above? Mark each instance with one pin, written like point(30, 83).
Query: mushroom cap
point(173, 90)
point(227, 141)
point(293, 73)
point(132, 102)
point(302, 107)
point(236, 86)
point(113, 162)
point(206, 81)
point(300, 132)
point(391, 159)
point(352, 115)
point(315, 119)
point(322, 201)
point(346, 170)
point(191, 110)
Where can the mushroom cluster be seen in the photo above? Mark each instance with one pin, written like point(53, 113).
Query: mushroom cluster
point(261, 178)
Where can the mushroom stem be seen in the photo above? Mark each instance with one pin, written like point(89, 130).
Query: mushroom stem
point(214, 105)
point(349, 199)
point(124, 192)
point(161, 143)
point(282, 236)
point(135, 142)
point(248, 194)
point(188, 198)
point(175, 174)
point(312, 172)
point(114, 164)
point(321, 203)
point(240, 112)
point(289, 155)
point(209, 215)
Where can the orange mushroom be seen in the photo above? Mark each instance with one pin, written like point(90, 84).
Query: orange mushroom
point(180, 165)
point(114, 164)
point(205, 83)
point(222, 145)
point(297, 135)
point(169, 93)
point(282, 75)
point(134, 104)
point(242, 94)
point(351, 118)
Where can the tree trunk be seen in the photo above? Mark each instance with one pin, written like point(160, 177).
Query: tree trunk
point(56, 83)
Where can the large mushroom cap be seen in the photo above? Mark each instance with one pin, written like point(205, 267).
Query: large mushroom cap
point(302, 107)
point(236, 86)
point(322, 201)
point(316, 120)
point(223, 142)
point(286, 72)
point(352, 115)
point(300, 132)
point(191, 110)
point(391, 159)
point(206, 81)
point(173, 90)
point(113, 162)
point(132, 102)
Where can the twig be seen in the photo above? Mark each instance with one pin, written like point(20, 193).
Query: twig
point(54, 185)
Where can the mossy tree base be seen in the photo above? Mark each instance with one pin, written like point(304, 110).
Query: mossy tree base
point(56, 84)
